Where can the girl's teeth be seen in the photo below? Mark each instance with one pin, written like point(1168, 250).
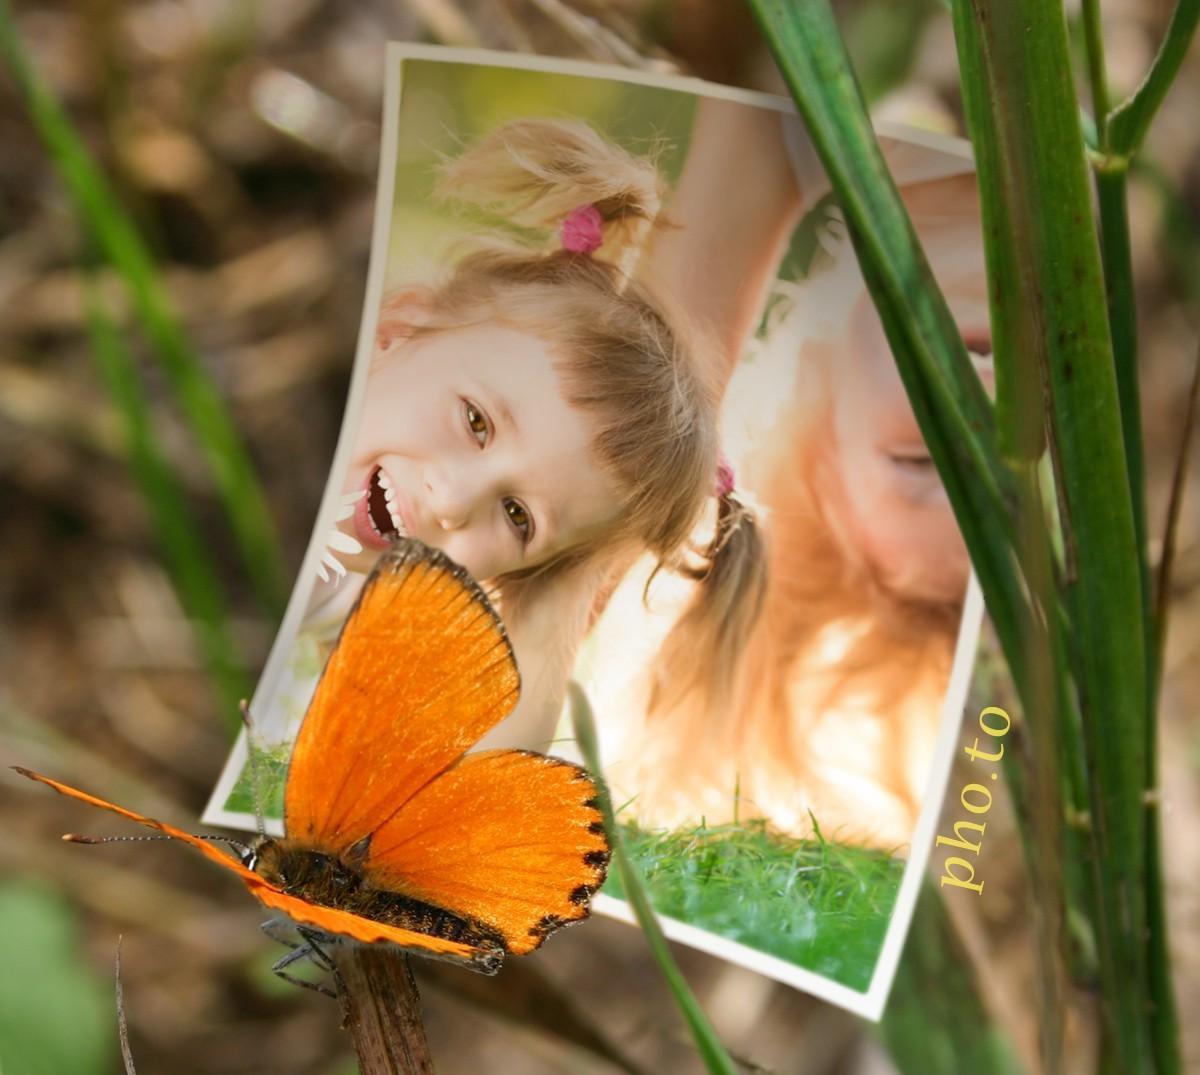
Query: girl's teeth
point(389, 498)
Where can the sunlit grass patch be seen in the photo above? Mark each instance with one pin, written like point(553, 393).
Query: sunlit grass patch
point(272, 766)
point(820, 905)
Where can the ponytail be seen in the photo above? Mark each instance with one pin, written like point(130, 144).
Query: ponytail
point(533, 174)
point(699, 660)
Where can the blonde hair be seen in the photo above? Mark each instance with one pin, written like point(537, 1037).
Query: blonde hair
point(829, 643)
point(642, 376)
point(534, 172)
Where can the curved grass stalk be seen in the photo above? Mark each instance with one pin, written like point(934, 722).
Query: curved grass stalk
point(191, 569)
point(118, 240)
point(953, 411)
point(1130, 120)
point(716, 1059)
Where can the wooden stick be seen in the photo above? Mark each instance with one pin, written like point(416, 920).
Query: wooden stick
point(382, 1010)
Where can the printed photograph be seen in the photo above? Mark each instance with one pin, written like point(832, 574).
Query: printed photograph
point(617, 361)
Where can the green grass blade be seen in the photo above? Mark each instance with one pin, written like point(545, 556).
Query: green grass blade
point(716, 1059)
point(950, 405)
point(117, 238)
point(1024, 118)
point(192, 572)
point(1122, 318)
point(1112, 196)
point(1111, 189)
point(1121, 141)
point(1130, 123)
point(1047, 690)
point(1130, 120)
point(813, 60)
point(1164, 1017)
point(1094, 47)
point(1166, 562)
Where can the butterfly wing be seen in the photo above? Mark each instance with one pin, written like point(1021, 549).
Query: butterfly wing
point(323, 918)
point(509, 838)
point(421, 671)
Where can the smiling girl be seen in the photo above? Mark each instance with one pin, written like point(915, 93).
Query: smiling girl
point(539, 415)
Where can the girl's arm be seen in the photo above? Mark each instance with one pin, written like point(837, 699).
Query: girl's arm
point(730, 217)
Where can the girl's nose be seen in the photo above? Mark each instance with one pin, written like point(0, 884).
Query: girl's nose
point(453, 495)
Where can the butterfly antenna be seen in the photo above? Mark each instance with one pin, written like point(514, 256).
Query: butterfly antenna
point(255, 768)
point(243, 851)
point(122, 1025)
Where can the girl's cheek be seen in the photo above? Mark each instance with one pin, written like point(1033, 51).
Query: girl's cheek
point(920, 556)
point(478, 551)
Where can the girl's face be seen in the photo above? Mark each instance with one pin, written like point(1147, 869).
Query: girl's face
point(886, 497)
point(467, 443)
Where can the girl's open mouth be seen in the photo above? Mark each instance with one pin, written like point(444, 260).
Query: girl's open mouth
point(377, 518)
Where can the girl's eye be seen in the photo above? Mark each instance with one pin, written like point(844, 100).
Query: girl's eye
point(476, 423)
point(518, 518)
point(916, 460)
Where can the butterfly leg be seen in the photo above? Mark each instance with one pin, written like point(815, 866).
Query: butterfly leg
point(310, 948)
point(298, 952)
point(276, 928)
point(314, 939)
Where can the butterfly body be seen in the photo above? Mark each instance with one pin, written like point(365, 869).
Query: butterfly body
point(394, 833)
point(324, 880)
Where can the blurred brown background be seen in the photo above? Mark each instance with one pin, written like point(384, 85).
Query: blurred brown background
point(242, 137)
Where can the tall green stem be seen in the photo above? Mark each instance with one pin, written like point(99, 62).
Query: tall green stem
point(1119, 140)
point(1066, 385)
point(1164, 1019)
point(1044, 791)
point(1024, 118)
point(1111, 187)
point(1122, 316)
point(1095, 59)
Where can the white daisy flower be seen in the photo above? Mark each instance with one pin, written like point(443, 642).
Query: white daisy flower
point(331, 568)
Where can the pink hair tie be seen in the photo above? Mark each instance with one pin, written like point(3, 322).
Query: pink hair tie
point(583, 230)
point(725, 478)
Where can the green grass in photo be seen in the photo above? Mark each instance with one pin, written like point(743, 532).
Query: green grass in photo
point(819, 905)
point(272, 766)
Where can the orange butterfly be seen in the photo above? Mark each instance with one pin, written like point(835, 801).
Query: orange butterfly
point(394, 833)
